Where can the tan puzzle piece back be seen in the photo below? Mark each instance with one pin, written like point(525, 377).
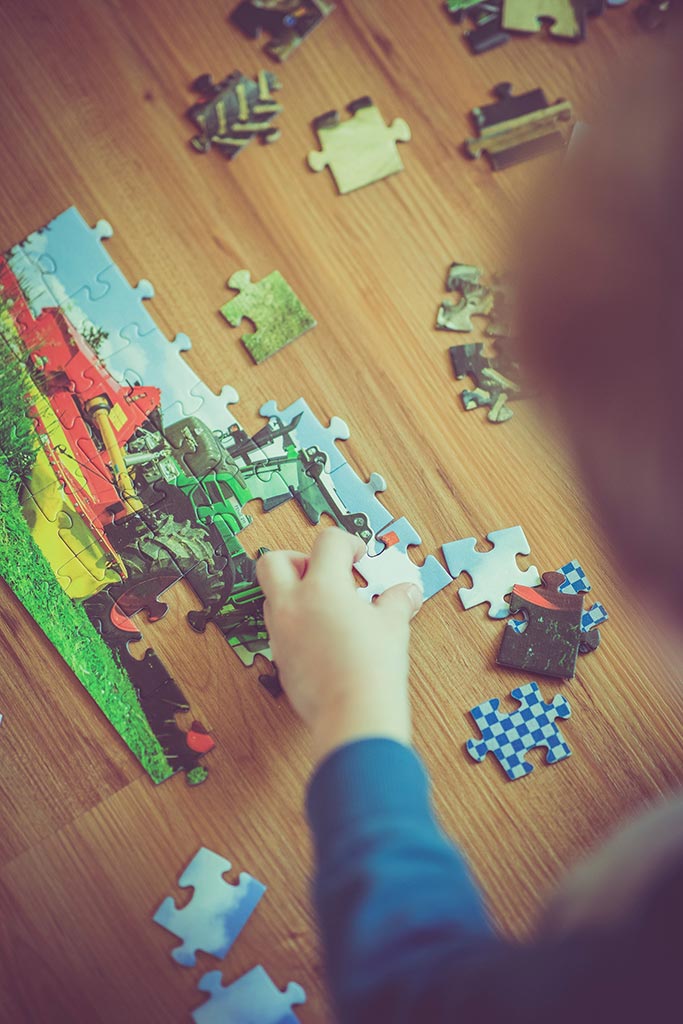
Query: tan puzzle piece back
point(523, 15)
point(361, 149)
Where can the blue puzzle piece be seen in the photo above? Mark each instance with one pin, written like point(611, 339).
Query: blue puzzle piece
point(575, 579)
point(63, 255)
point(359, 496)
point(217, 912)
point(309, 431)
point(593, 616)
point(111, 303)
point(509, 736)
point(392, 564)
point(252, 999)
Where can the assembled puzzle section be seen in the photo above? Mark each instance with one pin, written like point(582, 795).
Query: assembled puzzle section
point(494, 573)
point(279, 317)
point(517, 128)
point(510, 736)
point(217, 912)
point(234, 111)
point(360, 150)
point(252, 999)
point(288, 22)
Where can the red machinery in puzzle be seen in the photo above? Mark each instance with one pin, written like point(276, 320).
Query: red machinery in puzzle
point(80, 392)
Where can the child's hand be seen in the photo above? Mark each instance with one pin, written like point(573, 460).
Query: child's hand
point(343, 663)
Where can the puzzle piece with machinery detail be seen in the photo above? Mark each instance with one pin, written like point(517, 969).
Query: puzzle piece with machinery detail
point(493, 379)
point(494, 573)
point(234, 111)
point(508, 736)
point(252, 999)
point(360, 150)
point(517, 128)
point(277, 314)
point(308, 430)
point(217, 912)
point(548, 643)
point(287, 21)
point(476, 299)
point(486, 18)
point(568, 17)
point(392, 565)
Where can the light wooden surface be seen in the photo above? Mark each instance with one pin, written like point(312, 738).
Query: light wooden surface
point(92, 102)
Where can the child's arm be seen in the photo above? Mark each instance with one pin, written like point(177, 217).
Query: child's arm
point(405, 935)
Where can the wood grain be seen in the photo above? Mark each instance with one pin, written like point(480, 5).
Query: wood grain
point(92, 102)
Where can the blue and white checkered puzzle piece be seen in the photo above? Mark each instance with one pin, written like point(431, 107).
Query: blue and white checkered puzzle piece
point(509, 736)
point(575, 582)
point(594, 616)
point(252, 999)
point(217, 912)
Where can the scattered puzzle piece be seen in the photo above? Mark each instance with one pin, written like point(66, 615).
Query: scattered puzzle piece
point(492, 376)
point(567, 17)
point(509, 736)
point(476, 300)
point(288, 22)
point(234, 111)
point(493, 573)
point(217, 912)
point(360, 150)
point(252, 999)
point(546, 642)
point(486, 18)
point(278, 315)
point(517, 128)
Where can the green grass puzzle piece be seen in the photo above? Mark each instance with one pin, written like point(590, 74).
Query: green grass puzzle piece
point(360, 150)
point(277, 314)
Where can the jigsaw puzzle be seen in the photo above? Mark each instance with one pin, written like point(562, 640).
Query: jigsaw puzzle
point(567, 17)
point(494, 573)
point(234, 111)
point(217, 912)
point(546, 641)
point(391, 565)
point(252, 999)
point(360, 150)
point(476, 299)
point(277, 314)
point(509, 736)
point(517, 128)
point(288, 22)
point(486, 18)
point(493, 377)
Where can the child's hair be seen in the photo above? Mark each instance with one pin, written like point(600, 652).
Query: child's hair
point(601, 315)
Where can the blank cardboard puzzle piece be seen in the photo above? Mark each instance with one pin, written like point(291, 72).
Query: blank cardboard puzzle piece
point(252, 999)
point(494, 573)
point(509, 736)
point(360, 150)
point(567, 17)
point(217, 912)
point(546, 642)
point(392, 565)
point(277, 314)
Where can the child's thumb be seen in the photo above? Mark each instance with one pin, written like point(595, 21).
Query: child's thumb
point(403, 600)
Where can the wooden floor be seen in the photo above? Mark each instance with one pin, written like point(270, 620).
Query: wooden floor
point(91, 104)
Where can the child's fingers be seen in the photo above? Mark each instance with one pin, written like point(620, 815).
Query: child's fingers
point(403, 600)
point(279, 570)
point(333, 556)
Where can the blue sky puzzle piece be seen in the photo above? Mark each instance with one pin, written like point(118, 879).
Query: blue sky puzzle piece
point(252, 999)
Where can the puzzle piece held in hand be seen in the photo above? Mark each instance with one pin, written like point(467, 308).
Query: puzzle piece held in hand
point(546, 642)
point(392, 565)
point(252, 999)
point(494, 573)
point(277, 314)
point(287, 23)
point(360, 150)
point(217, 912)
point(509, 736)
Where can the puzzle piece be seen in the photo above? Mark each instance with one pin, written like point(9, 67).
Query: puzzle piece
point(476, 299)
point(288, 22)
point(252, 999)
point(491, 375)
point(308, 431)
point(493, 573)
point(392, 565)
point(233, 111)
point(360, 150)
point(277, 314)
point(509, 736)
point(486, 17)
point(567, 16)
point(517, 128)
point(548, 643)
point(576, 582)
point(217, 912)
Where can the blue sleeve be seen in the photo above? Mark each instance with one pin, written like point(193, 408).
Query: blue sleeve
point(393, 895)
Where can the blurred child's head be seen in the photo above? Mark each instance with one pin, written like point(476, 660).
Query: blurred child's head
point(602, 316)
